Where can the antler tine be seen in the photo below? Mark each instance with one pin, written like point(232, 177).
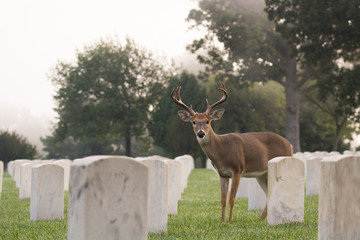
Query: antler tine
point(178, 101)
point(223, 98)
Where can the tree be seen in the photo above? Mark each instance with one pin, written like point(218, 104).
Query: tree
point(14, 146)
point(323, 30)
point(318, 131)
point(254, 109)
point(258, 108)
point(107, 93)
point(167, 129)
point(71, 149)
point(241, 44)
point(327, 35)
point(337, 113)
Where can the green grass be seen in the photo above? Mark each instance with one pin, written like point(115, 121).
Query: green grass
point(198, 216)
point(15, 217)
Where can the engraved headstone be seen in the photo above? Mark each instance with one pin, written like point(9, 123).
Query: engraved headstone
point(108, 198)
point(285, 190)
point(313, 176)
point(25, 180)
point(339, 198)
point(65, 163)
point(47, 192)
point(256, 195)
point(158, 195)
point(1, 175)
point(243, 189)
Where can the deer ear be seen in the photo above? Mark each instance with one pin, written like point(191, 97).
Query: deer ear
point(184, 115)
point(217, 114)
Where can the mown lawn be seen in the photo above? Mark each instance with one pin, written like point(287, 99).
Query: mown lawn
point(198, 216)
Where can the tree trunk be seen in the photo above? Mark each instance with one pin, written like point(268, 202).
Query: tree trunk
point(337, 138)
point(339, 127)
point(128, 143)
point(293, 97)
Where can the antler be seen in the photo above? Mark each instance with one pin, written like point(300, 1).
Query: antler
point(177, 100)
point(222, 88)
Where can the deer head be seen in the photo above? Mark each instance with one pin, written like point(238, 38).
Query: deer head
point(200, 121)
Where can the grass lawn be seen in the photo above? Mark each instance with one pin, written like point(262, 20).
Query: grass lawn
point(198, 216)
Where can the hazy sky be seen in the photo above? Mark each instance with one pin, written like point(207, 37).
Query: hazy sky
point(35, 34)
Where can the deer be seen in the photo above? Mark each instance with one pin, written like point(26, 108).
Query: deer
point(233, 155)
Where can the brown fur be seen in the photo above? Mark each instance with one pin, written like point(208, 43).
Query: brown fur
point(234, 155)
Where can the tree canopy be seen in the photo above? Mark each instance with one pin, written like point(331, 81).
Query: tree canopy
point(166, 128)
point(108, 92)
point(242, 44)
point(323, 30)
point(327, 35)
point(302, 45)
point(14, 146)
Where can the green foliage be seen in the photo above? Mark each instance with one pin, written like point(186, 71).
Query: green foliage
point(167, 129)
point(14, 146)
point(71, 149)
point(323, 30)
point(327, 34)
point(258, 108)
point(318, 130)
point(199, 216)
point(344, 86)
point(240, 42)
point(255, 109)
point(107, 93)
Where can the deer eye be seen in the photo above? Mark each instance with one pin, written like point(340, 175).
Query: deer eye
point(207, 122)
point(194, 122)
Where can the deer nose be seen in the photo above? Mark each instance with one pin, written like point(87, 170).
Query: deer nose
point(200, 134)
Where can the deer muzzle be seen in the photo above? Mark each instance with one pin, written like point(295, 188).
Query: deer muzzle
point(200, 133)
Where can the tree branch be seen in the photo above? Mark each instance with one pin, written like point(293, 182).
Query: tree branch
point(310, 88)
point(304, 79)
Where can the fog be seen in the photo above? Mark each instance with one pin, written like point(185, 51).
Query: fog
point(35, 35)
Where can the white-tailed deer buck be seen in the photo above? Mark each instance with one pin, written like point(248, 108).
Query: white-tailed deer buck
point(233, 155)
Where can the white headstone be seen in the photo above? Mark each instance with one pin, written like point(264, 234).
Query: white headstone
point(256, 195)
point(25, 180)
point(347, 152)
point(174, 186)
point(158, 195)
point(209, 165)
point(189, 162)
point(174, 181)
point(285, 190)
point(181, 170)
point(243, 190)
point(313, 176)
point(108, 199)
point(300, 156)
point(333, 153)
point(17, 170)
point(10, 168)
point(187, 165)
point(339, 198)
point(47, 192)
point(1, 175)
point(65, 163)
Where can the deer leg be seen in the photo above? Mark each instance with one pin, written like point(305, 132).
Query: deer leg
point(224, 190)
point(234, 187)
point(262, 180)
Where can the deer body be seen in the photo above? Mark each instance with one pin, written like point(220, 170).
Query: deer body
point(233, 155)
point(246, 153)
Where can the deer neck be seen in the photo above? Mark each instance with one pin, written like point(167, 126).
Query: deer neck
point(208, 144)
